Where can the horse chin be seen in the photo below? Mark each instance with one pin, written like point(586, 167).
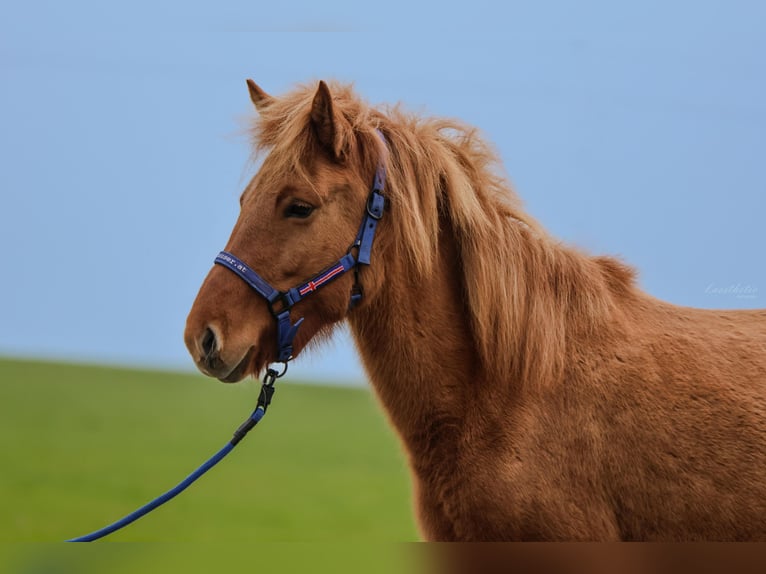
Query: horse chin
point(243, 368)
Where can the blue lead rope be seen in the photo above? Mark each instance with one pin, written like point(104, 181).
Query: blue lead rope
point(159, 501)
point(267, 391)
point(286, 331)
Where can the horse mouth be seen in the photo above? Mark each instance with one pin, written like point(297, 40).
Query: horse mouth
point(240, 371)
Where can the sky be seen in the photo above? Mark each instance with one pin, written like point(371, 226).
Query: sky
point(636, 129)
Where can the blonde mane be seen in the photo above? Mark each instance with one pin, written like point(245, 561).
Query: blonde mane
point(524, 290)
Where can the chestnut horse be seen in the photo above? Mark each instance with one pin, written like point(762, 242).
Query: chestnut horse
point(538, 392)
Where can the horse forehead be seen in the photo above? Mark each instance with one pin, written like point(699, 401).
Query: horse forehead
point(316, 175)
point(272, 179)
point(282, 166)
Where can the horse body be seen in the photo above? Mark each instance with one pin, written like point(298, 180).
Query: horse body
point(646, 435)
point(539, 394)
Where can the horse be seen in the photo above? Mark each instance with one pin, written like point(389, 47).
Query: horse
point(539, 394)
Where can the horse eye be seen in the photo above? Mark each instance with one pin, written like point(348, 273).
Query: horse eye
point(299, 210)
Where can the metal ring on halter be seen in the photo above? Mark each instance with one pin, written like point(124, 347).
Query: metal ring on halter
point(284, 370)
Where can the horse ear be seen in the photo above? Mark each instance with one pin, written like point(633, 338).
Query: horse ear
point(326, 123)
point(260, 98)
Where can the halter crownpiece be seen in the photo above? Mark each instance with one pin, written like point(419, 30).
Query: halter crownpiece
point(281, 302)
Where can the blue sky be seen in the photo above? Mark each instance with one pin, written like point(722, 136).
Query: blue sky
point(636, 129)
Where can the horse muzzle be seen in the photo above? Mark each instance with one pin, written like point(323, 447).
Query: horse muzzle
point(206, 347)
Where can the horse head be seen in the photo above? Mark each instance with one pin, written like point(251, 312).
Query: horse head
point(299, 214)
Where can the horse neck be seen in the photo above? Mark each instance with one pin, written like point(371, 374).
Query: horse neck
point(419, 347)
point(415, 341)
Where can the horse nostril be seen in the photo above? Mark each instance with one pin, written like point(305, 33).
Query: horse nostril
point(209, 345)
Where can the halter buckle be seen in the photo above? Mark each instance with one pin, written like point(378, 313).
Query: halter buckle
point(375, 203)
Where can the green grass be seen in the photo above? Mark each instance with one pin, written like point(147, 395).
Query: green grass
point(82, 446)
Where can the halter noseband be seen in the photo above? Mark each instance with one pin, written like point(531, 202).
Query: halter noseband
point(281, 302)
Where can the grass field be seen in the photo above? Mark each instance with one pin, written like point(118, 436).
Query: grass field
point(82, 446)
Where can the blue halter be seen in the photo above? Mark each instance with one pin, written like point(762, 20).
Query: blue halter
point(281, 302)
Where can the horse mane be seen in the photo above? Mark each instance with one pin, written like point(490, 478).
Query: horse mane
point(526, 292)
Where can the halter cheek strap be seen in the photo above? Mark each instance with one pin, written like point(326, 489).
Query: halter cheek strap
point(281, 302)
